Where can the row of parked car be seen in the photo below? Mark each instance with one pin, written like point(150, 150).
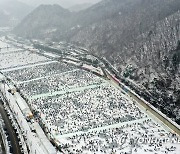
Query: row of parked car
point(17, 131)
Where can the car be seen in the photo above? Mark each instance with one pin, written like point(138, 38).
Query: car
point(20, 143)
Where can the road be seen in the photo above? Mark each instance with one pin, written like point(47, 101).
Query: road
point(10, 130)
point(2, 149)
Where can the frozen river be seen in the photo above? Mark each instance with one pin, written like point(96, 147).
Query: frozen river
point(84, 113)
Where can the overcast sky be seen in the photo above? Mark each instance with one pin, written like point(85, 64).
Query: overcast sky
point(63, 3)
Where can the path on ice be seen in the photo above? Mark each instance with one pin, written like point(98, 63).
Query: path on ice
point(102, 128)
point(50, 94)
point(28, 66)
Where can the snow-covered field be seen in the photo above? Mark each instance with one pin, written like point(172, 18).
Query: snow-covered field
point(16, 59)
point(84, 113)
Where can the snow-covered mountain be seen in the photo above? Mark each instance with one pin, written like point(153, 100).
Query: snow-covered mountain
point(4, 19)
point(79, 7)
point(12, 12)
point(139, 37)
point(44, 21)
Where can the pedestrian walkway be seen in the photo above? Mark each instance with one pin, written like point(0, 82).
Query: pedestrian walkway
point(28, 65)
point(59, 137)
point(67, 91)
point(11, 51)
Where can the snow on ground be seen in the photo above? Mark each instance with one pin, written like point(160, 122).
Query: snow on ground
point(51, 54)
point(82, 116)
point(84, 113)
point(137, 137)
point(3, 44)
point(15, 59)
point(10, 50)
